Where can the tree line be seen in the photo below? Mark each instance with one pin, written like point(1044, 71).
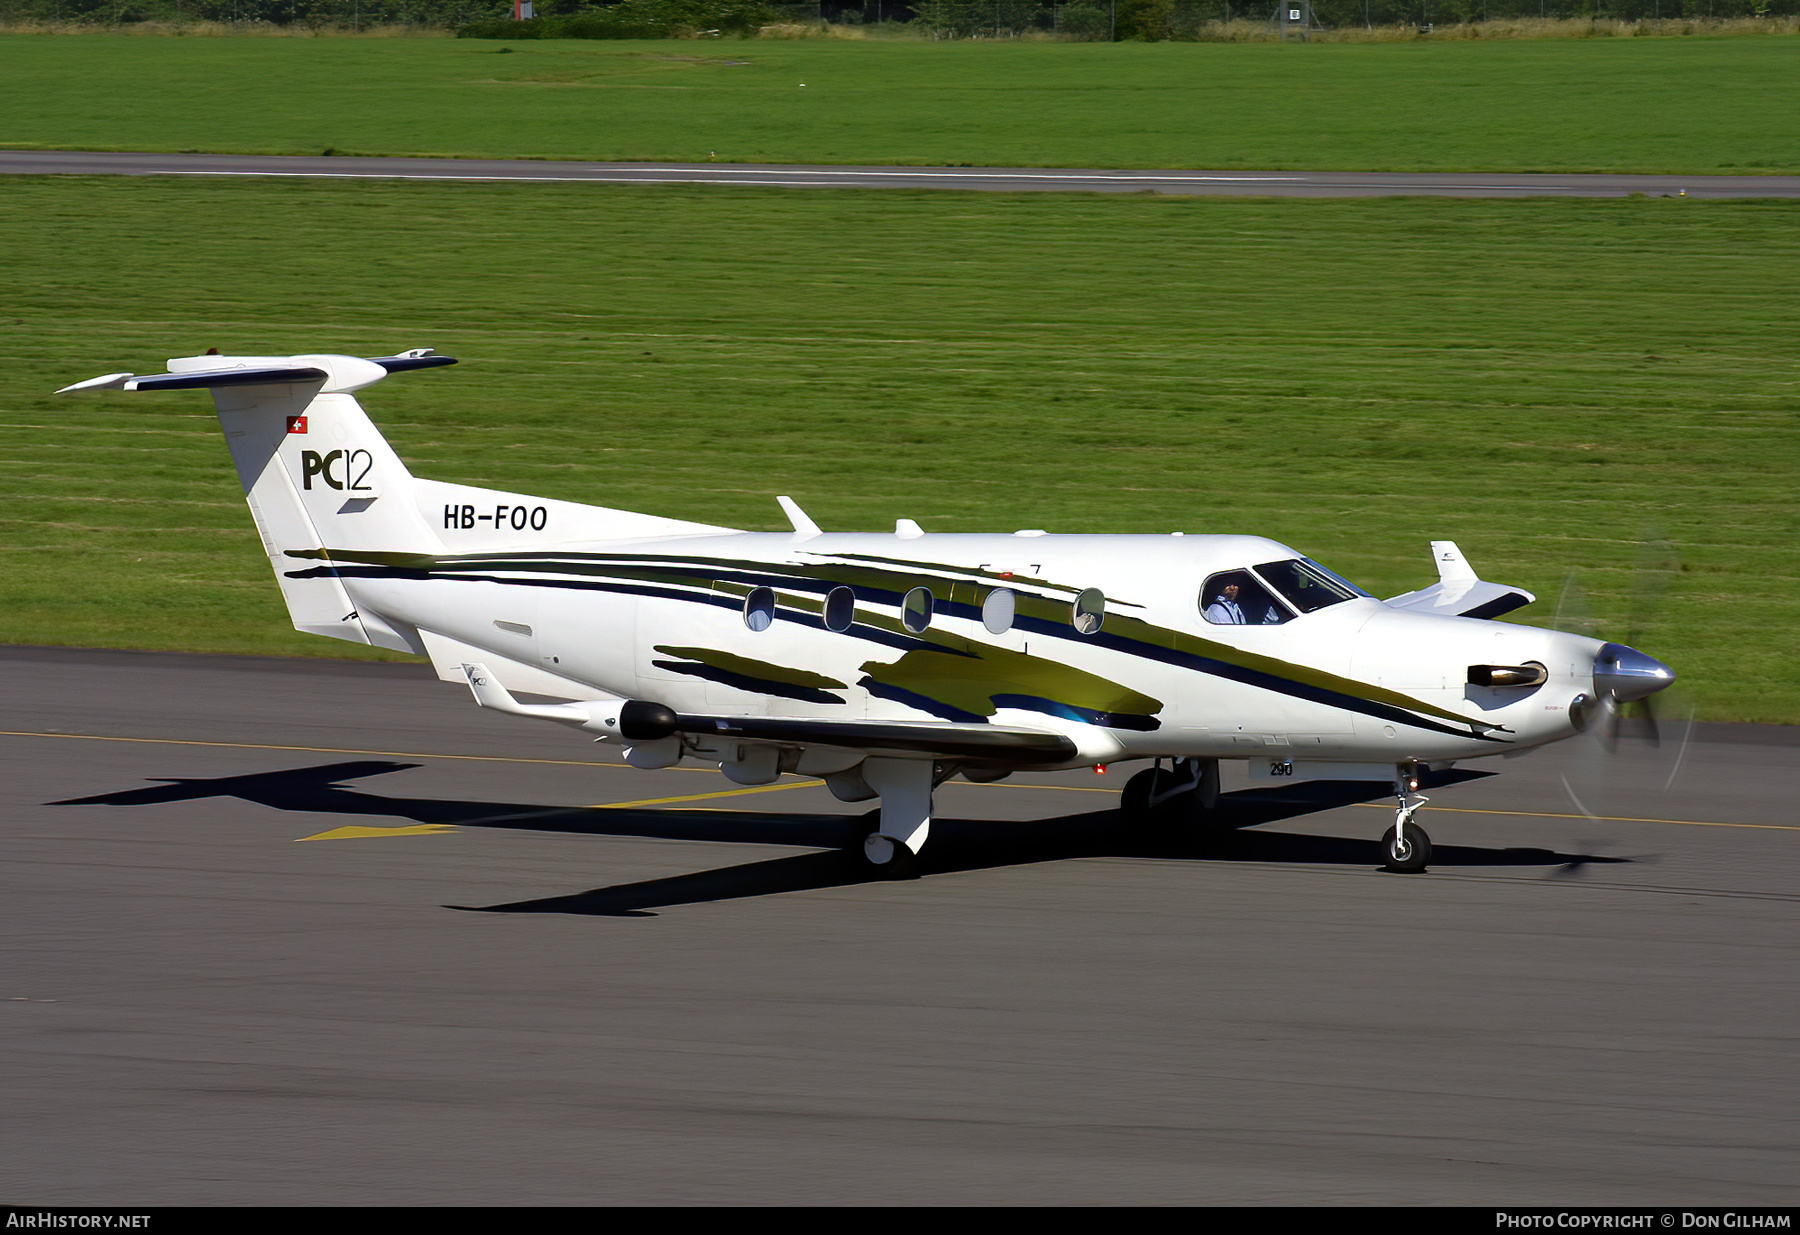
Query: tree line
point(1157, 20)
point(351, 14)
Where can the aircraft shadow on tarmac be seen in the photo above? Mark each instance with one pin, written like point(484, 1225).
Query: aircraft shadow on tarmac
point(956, 844)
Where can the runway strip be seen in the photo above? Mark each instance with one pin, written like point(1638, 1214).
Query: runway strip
point(986, 179)
point(681, 997)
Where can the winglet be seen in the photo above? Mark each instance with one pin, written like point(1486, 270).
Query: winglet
point(1459, 591)
point(599, 716)
point(803, 524)
point(1452, 566)
point(489, 693)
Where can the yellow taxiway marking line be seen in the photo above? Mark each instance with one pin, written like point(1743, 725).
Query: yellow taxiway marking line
point(587, 763)
point(994, 784)
point(1469, 810)
point(701, 797)
point(360, 833)
point(1545, 814)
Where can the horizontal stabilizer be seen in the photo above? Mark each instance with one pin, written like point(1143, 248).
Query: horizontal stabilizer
point(339, 374)
point(205, 379)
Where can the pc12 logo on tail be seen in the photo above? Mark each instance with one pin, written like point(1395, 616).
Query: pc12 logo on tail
point(345, 470)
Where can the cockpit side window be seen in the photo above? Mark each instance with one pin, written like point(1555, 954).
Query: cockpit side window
point(1307, 585)
point(1236, 598)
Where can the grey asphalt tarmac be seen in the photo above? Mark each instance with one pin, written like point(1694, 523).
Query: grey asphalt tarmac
point(993, 179)
point(326, 933)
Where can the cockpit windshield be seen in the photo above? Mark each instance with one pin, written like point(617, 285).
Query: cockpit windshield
point(1307, 585)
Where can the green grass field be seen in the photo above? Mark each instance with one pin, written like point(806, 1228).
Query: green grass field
point(1692, 105)
point(1550, 383)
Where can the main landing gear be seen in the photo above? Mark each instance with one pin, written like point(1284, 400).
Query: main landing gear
point(904, 819)
point(1183, 792)
point(890, 858)
point(1404, 847)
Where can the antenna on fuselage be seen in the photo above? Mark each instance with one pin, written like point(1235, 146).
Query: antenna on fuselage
point(803, 524)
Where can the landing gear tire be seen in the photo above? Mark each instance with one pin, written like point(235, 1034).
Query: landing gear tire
point(889, 857)
point(1178, 796)
point(1406, 855)
point(1134, 801)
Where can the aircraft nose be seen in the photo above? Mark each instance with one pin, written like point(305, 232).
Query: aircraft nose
point(1627, 674)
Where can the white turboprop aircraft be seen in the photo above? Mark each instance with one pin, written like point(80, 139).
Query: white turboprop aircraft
point(887, 663)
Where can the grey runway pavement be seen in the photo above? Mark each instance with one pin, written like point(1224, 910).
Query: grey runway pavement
point(991, 179)
point(320, 932)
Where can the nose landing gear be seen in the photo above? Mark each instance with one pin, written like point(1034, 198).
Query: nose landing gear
point(1404, 847)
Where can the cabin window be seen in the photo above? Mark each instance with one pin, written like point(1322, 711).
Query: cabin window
point(915, 610)
point(759, 608)
point(1307, 585)
point(1235, 598)
point(1088, 611)
point(998, 610)
point(840, 609)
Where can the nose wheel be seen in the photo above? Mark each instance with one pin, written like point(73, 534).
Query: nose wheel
point(1404, 847)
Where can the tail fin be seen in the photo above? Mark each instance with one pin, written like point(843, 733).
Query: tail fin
point(316, 472)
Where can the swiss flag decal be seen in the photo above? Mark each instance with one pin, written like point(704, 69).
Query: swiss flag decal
point(296, 424)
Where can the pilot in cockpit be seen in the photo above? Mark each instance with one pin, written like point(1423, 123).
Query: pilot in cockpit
point(1246, 598)
point(1226, 611)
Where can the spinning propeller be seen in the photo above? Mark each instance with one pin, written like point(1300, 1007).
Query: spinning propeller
point(1630, 689)
point(1625, 679)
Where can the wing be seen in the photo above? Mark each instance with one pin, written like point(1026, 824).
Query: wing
point(638, 720)
point(993, 743)
point(1459, 592)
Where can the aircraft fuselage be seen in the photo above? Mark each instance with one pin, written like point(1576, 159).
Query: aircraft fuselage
point(675, 620)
